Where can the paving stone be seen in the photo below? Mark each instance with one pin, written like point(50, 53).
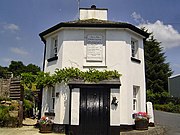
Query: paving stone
point(151, 131)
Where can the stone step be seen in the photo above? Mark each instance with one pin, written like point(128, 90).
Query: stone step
point(15, 92)
point(14, 83)
point(14, 79)
point(15, 95)
point(15, 87)
point(15, 98)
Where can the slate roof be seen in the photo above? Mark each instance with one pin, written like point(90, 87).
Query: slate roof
point(96, 24)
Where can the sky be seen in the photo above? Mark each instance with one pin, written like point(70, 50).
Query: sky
point(21, 21)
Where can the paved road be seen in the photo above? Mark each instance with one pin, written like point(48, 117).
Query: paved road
point(170, 120)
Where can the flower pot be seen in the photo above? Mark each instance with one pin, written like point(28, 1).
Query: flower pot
point(45, 128)
point(141, 124)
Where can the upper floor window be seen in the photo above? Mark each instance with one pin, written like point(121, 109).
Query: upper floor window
point(54, 47)
point(134, 48)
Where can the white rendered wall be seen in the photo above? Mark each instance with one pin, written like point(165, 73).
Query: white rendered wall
point(96, 14)
point(119, 58)
point(115, 110)
point(71, 53)
point(75, 103)
point(61, 109)
point(73, 47)
point(44, 102)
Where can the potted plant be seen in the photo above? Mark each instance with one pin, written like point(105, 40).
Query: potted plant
point(141, 121)
point(45, 125)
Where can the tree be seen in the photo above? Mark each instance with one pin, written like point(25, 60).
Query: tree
point(3, 72)
point(157, 70)
point(16, 67)
point(31, 68)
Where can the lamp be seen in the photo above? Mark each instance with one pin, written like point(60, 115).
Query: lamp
point(114, 101)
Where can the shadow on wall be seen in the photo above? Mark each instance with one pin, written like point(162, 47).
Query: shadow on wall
point(66, 96)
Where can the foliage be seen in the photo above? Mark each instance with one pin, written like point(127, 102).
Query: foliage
point(27, 79)
point(158, 98)
point(27, 105)
point(4, 114)
point(157, 71)
point(170, 107)
point(28, 94)
point(163, 101)
point(5, 117)
point(31, 68)
point(5, 99)
point(17, 67)
point(3, 72)
point(65, 75)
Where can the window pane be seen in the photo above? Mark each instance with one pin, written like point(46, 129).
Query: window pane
point(134, 47)
point(54, 46)
point(55, 42)
point(53, 101)
point(134, 104)
point(134, 92)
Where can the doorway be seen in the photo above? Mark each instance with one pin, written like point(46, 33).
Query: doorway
point(94, 111)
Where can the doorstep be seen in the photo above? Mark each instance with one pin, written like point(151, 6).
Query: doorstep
point(157, 130)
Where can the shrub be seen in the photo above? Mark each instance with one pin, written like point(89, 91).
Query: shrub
point(170, 107)
point(4, 115)
point(7, 120)
point(5, 99)
point(28, 106)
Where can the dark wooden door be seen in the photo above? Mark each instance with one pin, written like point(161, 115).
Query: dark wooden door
point(94, 111)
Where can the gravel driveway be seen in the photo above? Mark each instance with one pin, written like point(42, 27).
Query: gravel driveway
point(25, 130)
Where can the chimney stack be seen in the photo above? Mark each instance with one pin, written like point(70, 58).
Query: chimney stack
point(93, 13)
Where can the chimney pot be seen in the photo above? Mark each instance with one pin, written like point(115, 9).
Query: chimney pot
point(93, 6)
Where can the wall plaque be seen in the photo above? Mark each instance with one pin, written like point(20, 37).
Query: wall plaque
point(94, 48)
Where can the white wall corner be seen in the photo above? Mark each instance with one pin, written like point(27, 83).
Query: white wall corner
point(75, 102)
point(115, 110)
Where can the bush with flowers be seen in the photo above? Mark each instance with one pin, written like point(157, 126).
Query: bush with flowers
point(141, 116)
point(45, 124)
point(141, 121)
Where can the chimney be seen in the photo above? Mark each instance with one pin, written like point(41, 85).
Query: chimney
point(93, 13)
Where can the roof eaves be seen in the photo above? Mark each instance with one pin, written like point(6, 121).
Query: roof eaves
point(100, 25)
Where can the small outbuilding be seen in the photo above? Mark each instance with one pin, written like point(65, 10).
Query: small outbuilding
point(94, 42)
point(174, 85)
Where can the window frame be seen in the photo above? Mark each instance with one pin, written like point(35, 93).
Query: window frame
point(134, 48)
point(53, 49)
point(51, 99)
point(55, 46)
point(136, 90)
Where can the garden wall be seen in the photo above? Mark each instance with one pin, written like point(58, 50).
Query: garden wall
point(11, 103)
point(4, 88)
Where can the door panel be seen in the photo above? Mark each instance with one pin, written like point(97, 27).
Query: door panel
point(94, 111)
